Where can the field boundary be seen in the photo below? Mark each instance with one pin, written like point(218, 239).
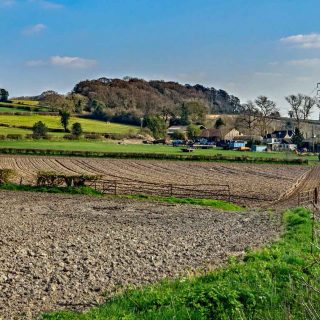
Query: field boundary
point(151, 156)
point(293, 189)
point(135, 187)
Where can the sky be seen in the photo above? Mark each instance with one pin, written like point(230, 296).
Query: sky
point(246, 47)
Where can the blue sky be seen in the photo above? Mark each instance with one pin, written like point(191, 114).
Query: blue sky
point(247, 47)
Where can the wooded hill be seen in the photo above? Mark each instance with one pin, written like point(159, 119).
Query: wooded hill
point(142, 97)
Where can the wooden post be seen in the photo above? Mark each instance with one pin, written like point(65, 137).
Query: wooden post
point(171, 190)
point(115, 187)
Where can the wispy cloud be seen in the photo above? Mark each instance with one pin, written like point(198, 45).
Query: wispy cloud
point(306, 41)
point(35, 29)
point(268, 74)
point(305, 62)
point(49, 5)
point(63, 62)
point(72, 62)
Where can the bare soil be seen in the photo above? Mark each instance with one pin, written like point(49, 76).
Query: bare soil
point(64, 252)
point(251, 184)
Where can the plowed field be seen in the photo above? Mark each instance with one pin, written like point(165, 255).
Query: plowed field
point(250, 183)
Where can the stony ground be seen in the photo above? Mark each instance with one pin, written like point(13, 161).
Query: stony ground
point(63, 252)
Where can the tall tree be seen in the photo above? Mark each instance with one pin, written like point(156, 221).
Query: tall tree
point(266, 109)
point(4, 95)
point(64, 119)
point(156, 125)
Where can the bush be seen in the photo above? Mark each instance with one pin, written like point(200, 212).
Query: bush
point(53, 179)
point(15, 136)
point(6, 175)
point(3, 137)
point(39, 130)
point(93, 136)
point(76, 130)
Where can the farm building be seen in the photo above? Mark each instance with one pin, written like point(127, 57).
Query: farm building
point(171, 130)
point(219, 134)
point(236, 144)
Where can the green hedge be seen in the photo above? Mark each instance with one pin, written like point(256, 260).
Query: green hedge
point(160, 156)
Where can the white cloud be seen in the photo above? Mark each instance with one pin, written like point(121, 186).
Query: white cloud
point(305, 62)
point(64, 62)
point(35, 29)
point(306, 41)
point(72, 62)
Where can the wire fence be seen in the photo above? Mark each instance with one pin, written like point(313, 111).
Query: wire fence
point(132, 187)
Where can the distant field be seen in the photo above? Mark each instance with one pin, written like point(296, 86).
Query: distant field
point(53, 122)
point(110, 146)
point(5, 131)
point(26, 102)
point(12, 109)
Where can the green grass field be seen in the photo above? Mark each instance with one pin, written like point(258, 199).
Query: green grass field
point(31, 103)
point(53, 122)
point(275, 283)
point(12, 109)
point(110, 146)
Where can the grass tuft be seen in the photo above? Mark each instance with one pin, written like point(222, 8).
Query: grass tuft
point(218, 204)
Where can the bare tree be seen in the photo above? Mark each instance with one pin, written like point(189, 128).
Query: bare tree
point(248, 117)
point(295, 102)
point(307, 104)
point(266, 109)
point(301, 107)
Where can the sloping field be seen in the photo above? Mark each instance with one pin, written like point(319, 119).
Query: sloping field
point(53, 122)
point(64, 252)
point(250, 183)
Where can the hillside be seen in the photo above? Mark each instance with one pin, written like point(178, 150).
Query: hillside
point(141, 97)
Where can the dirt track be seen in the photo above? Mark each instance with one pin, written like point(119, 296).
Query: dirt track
point(59, 252)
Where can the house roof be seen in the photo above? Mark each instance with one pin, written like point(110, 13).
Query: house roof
point(280, 134)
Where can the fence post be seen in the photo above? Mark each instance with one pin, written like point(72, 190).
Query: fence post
point(171, 190)
point(115, 187)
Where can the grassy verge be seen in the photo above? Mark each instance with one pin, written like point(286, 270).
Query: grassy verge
point(218, 204)
point(269, 284)
point(70, 190)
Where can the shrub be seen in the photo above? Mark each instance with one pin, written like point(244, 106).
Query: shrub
point(39, 130)
point(6, 175)
point(76, 130)
point(53, 179)
point(3, 137)
point(15, 136)
point(49, 178)
point(93, 136)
